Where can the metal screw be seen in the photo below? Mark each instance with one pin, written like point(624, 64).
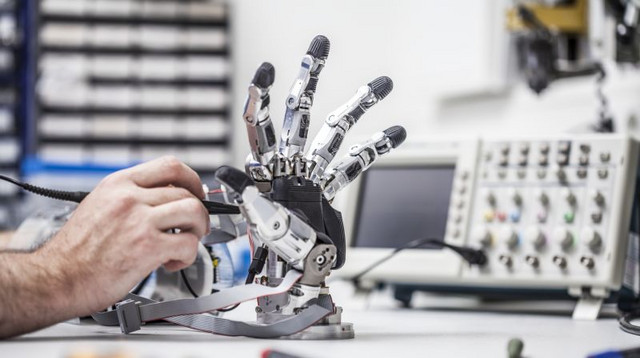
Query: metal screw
point(276, 225)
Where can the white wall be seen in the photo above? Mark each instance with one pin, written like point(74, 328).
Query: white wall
point(444, 57)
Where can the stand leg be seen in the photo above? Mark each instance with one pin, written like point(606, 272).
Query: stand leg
point(587, 308)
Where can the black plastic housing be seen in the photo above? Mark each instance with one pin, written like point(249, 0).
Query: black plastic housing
point(305, 199)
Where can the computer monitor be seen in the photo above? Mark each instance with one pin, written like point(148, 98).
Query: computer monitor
point(399, 204)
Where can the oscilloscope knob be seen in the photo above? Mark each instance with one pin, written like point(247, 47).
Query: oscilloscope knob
point(561, 174)
point(543, 198)
point(570, 197)
point(509, 237)
point(563, 237)
point(598, 198)
point(591, 239)
point(535, 237)
point(516, 197)
point(483, 236)
point(491, 198)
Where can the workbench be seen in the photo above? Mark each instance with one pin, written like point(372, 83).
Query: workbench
point(383, 329)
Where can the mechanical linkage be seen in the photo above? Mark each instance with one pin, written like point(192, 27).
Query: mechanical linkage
point(360, 158)
point(328, 141)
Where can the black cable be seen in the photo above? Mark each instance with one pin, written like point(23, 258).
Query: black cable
point(472, 256)
point(257, 264)
point(213, 208)
point(73, 196)
point(259, 258)
point(193, 293)
point(627, 326)
point(229, 308)
point(136, 290)
point(529, 18)
point(188, 285)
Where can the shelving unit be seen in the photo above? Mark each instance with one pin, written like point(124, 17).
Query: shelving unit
point(10, 127)
point(123, 81)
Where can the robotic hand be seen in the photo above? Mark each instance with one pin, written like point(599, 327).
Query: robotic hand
point(284, 197)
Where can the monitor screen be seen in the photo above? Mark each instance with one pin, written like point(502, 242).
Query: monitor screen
point(400, 204)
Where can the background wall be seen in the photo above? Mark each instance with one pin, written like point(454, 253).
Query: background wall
point(447, 60)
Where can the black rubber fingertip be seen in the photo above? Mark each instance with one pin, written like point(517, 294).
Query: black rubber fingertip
point(381, 87)
point(396, 134)
point(319, 47)
point(265, 75)
point(233, 178)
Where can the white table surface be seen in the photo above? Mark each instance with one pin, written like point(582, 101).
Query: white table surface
point(382, 330)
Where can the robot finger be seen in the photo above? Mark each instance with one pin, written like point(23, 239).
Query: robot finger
point(360, 158)
point(327, 142)
point(262, 137)
point(300, 99)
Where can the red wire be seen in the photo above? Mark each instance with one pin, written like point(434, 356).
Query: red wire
point(250, 242)
point(215, 191)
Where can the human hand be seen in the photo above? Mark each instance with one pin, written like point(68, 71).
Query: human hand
point(119, 233)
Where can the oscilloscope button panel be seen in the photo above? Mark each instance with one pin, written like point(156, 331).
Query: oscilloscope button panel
point(553, 211)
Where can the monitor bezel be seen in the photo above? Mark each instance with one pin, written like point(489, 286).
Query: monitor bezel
point(363, 183)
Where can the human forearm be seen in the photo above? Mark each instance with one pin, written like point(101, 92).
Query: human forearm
point(34, 293)
point(5, 236)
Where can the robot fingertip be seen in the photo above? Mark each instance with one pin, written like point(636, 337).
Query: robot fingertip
point(265, 75)
point(319, 47)
point(381, 86)
point(233, 178)
point(396, 134)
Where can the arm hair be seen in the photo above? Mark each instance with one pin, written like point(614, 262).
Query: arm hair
point(34, 291)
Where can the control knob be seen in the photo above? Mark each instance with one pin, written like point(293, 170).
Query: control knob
point(561, 174)
point(591, 239)
point(509, 237)
point(483, 236)
point(563, 237)
point(543, 198)
point(570, 197)
point(598, 198)
point(535, 237)
point(491, 198)
point(516, 197)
